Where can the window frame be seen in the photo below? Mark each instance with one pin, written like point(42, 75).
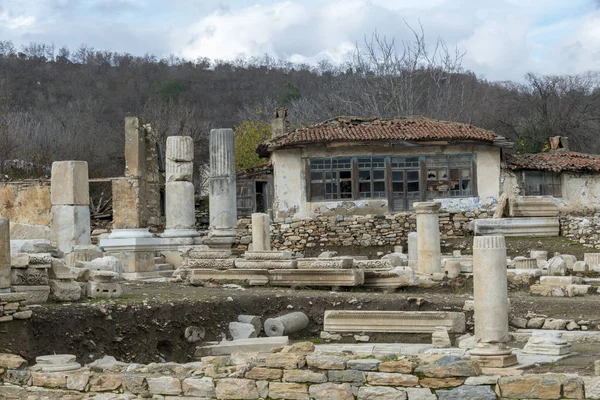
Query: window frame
point(545, 177)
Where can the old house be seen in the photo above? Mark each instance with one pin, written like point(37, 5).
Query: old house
point(353, 165)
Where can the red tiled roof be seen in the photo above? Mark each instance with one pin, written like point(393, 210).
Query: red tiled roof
point(349, 129)
point(554, 162)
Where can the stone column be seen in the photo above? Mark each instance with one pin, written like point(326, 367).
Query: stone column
point(428, 237)
point(4, 255)
point(261, 232)
point(413, 251)
point(222, 194)
point(179, 189)
point(491, 302)
point(70, 196)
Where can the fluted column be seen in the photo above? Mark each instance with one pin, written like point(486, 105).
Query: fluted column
point(428, 237)
point(222, 194)
point(491, 302)
point(179, 189)
point(4, 255)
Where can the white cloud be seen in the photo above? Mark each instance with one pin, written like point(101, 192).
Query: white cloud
point(16, 22)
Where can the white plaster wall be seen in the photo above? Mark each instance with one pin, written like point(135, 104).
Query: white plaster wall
point(290, 183)
point(581, 192)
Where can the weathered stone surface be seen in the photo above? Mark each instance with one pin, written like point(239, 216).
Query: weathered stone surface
point(325, 361)
point(316, 277)
point(135, 384)
point(439, 383)
point(282, 390)
point(78, 380)
point(12, 361)
point(351, 376)
point(331, 391)
point(450, 366)
point(165, 385)
point(49, 379)
point(265, 264)
point(240, 330)
point(391, 379)
point(547, 386)
point(399, 366)
point(199, 387)
point(592, 387)
point(260, 373)
point(467, 393)
point(105, 382)
point(70, 185)
point(380, 393)
point(70, 226)
point(440, 338)
point(397, 259)
point(325, 263)
point(17, 377)
point(285, 360)
point(232, 388)
point(5, 257)
point(303, 375)
point(419, 394)
point(364, 365)
point(64, 290)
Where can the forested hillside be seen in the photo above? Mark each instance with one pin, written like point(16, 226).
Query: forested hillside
point(70, 104)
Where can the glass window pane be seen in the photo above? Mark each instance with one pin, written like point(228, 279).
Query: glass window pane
point(345, 174)
point(413, 175)
point(398, 186)
point(413, 186)
point(432, 174)
point(379, 187)
point(397, 176)
point(364, 187)
point(364, 175)
point(316, 176)
point(379, 174)
point(317, 191)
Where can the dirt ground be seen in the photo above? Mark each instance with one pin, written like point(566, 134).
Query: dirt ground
point(148, 322)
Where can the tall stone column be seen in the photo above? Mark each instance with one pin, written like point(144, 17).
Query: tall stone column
point(428, 237)
point(261, 232)
point(222, 194)
point(491, 302)
point(70, 197)
point(4, 255)
point(179, 189)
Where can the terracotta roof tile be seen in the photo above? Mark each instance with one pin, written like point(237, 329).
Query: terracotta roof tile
point(347, 129)
point(554, 162)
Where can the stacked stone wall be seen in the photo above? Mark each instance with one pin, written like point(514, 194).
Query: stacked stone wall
point(584, 230)
point(300, 234)
point(289, 376)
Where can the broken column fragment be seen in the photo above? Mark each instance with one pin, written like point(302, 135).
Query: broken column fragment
point(261, 232)
point(428, 237)
point(490, 302)
point(70, 204)
point(179, 189)
point(286, 324)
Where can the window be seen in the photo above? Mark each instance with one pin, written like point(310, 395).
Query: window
point(449, 176)
point(331, 178)
point(371, 177)
point(540, 183)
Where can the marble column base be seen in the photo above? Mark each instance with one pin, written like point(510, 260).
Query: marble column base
point(175, 233)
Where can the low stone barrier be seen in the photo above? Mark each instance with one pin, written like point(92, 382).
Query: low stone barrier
point(296, 372)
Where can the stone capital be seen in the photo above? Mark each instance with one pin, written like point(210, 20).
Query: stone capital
point(428, 207)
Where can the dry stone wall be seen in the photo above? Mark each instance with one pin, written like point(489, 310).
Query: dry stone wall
point(299, 234)
point(585, 230)
point(291, 375)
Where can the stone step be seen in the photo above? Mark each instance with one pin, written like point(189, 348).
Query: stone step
point(164, 267)
point(166, 273)
point(159, 260)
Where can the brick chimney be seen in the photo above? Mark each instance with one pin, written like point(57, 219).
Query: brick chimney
point(279, 123)
point(559, 143)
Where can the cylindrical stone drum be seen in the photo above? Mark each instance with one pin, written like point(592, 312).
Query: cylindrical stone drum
point(286, 324)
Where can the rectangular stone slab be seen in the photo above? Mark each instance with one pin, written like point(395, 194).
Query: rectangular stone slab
point(317, 277)
point(251, 276)
point(268, 255)
point(390, 279)
point(392, 321)
point(265, 264)
point(205, 263)
point(254, 345)
point(526, 226)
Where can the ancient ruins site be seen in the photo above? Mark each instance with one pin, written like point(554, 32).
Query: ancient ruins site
point(402, 258)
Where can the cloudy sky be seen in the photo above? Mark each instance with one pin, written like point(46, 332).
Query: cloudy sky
point(502, 39)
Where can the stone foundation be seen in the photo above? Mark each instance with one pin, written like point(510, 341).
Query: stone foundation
point(297, 374)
